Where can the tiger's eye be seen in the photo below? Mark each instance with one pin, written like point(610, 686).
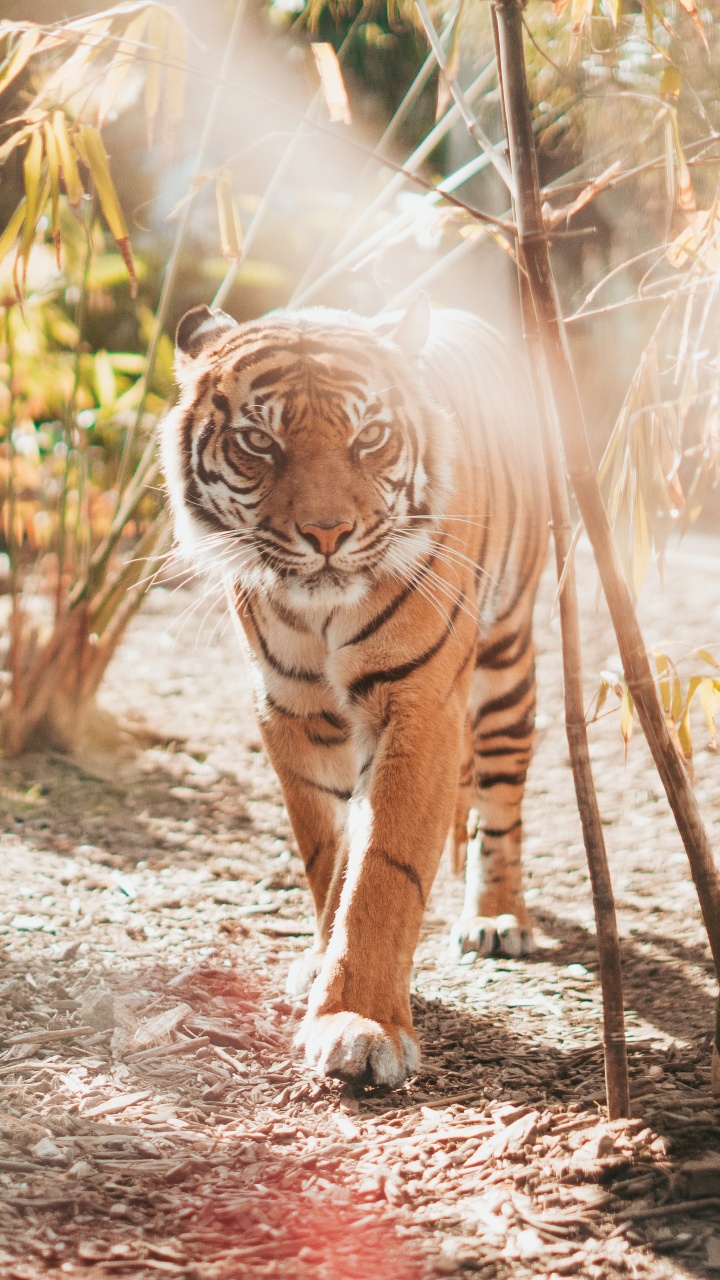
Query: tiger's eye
point(258, 441)
point(371, 435)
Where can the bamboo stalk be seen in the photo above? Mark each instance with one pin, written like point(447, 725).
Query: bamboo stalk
point(617, 1085)
point(533, 240)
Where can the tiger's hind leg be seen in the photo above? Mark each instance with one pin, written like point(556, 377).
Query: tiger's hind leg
point(495, 918)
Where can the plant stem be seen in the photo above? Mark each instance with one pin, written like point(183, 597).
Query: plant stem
point(533, 240)
point(70, 412)
point(15, 618)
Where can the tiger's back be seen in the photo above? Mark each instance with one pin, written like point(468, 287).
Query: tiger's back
point(374, 497)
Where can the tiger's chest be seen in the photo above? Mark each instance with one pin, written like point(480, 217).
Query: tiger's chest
point(306, 666)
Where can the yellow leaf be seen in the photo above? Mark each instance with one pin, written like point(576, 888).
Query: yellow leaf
point(54, 174)
point(122, 63)
point(662, 664)
point(228, 217)
point(686, 193)
point(579, 14)
point(9, 235)
point(20, 56)
point(32, 167)
point(107, 195)
point(677, 700)
point(68, 164)
point(708, 699)
point(104, 377)
point(16, 140)
point(708, 657)
point(332, 83)
point(692, 11)
point(614, 11)
point(670, 82)
point(156, 34)
point(683, 729)
point(627, 712)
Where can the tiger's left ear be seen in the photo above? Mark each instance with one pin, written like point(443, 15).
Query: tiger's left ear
point(197, 330)
point(410, 331)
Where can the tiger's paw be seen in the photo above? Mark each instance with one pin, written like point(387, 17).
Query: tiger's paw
point(491, 936)
point(356, 1048)
point(303, 972)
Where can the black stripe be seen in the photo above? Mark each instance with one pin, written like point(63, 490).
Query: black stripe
point(385, 614)
point(487, 781)
point(496, 833)
point(503, 751)
point(319, 741)
point(290, 673)
point(318, 786)
point(506, 700)
point(521, 729)
point(391, 675)
point(406, 870)
point(313, 859)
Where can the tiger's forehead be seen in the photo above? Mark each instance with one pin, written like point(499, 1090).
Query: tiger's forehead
point(280, 373)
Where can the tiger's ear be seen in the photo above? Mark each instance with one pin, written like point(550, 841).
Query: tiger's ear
point(409, 331)
point(197, 329)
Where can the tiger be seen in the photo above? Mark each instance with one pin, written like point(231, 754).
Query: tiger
point(371, 494)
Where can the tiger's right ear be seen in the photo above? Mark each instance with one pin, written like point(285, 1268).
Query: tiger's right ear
point(197, 329)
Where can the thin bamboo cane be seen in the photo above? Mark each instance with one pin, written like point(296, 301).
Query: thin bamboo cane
point(534, 243)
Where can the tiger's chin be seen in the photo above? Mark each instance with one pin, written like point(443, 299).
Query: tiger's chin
point(328, 589)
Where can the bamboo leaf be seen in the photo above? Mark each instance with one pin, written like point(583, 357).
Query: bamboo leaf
point(107, 195)
point(54, 174)
point(708, 698)
point(9, 235)
point(20, 56)
point(686, 192)
point(684, 729)
point(627, 715)
point(614, 11)
point(691, 10)
point(332, 83)
point(663, 667)
point(104, 378)
point(708, 657)
point(32, 169)
point(68, 163)
point(228, 217)
point(670, 82)
point(676, 706)
point(122, 63)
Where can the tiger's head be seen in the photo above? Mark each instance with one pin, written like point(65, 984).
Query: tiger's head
point(304, 453)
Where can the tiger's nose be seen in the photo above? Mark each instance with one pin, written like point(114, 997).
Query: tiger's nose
point(326, 539)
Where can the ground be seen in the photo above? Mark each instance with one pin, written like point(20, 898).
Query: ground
point(154, 1114)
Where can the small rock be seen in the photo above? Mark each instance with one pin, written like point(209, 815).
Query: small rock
point(713, 1253)
point(700, 1178)
point(28, 924)
point(46, 1149)
point(82, 1169)
point(577, 971)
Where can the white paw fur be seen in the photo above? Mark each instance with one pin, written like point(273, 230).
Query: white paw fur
point(491, 935)
point(356, 1048)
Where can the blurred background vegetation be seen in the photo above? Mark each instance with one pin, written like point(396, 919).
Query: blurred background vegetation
point(227, 179)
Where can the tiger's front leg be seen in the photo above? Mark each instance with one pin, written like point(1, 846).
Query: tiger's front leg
point(315, 762)
point(358, 1023)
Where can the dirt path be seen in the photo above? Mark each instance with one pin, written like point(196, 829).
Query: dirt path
point(154, 1116)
